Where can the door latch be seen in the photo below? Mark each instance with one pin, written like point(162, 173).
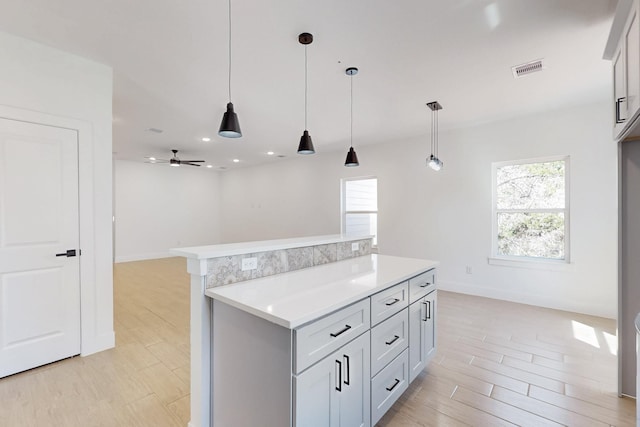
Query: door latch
point(68, 253)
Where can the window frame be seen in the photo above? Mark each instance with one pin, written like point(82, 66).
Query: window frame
point(495, 211)
point(343, 204)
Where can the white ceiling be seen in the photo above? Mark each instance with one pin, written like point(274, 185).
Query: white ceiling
point(170, 66)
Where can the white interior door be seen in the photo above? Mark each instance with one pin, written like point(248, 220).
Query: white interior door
point(39, 291)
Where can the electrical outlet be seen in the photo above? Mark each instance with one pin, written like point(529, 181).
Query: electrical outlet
point(469, 271)
point(249, 263)
point(355, 246)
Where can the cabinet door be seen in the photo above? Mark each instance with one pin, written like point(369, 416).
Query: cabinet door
point(315, 397)
point(422, 333)
point(619, 91)
point(417, 348)
point(355, 394)
point(336, 391)
point(632, 62)
point(430, 326)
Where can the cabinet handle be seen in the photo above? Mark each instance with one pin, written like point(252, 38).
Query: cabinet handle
point(618, 118)
point(425, 285)
point(395, 300)
point(394, 385)
point(339, 375)
point(346, 362)
point(425, 318)
point(395, 338)
point(428, 310)
point(345, 329)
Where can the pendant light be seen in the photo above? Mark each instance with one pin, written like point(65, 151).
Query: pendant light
point(352, 157)
point(230, 127)
point(306, 145)
point(433, 161)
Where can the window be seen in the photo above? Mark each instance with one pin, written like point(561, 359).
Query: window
point(531, 209)
point(360, 207)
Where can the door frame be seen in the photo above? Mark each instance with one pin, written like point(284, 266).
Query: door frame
point(89, 342)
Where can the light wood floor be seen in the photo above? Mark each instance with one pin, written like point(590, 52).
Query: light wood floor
point(498, 363)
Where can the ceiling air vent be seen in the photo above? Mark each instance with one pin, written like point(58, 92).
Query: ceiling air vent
point(528, 68)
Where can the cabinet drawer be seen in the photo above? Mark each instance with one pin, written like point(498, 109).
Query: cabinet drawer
point(388, 385)
point(421, 285)
point(320, 338)
point(388, 339)
point(388, 302)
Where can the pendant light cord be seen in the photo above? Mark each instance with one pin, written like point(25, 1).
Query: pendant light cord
point(436, 133)
point(351, 142)
point(229, 50)
point(433, 133)
point(305, 87)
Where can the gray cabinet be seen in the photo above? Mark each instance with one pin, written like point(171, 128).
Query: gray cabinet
point(335, 391)
point(626, 74)
point(422, 333)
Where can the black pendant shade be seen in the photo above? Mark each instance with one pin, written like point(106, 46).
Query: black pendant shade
point(230, 127)
point(306, 145)
point(352, 158)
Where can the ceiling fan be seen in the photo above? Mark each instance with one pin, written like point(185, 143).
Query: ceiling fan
point(174, 161)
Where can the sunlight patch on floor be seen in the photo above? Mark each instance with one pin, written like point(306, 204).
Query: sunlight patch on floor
point(585, 333)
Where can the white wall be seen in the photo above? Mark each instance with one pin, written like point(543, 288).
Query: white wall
point(46, 85)
point(160, 207)
point(446, 216)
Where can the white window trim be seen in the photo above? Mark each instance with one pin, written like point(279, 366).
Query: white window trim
point(343, 203)
point(523, 261)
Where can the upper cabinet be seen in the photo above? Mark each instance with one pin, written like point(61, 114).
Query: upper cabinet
point(623, 48)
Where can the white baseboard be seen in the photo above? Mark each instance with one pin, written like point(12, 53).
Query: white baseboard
point(522, 298)
point(142, 257)
point(99, 343)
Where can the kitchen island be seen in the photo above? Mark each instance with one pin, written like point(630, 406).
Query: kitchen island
point(332, 343)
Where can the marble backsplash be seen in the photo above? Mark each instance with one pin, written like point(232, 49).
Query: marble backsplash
point(228, 269)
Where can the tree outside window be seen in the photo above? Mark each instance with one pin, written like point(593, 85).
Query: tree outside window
point(531, 209)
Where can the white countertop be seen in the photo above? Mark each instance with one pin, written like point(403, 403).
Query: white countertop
point(216, 251)
point(295, 298)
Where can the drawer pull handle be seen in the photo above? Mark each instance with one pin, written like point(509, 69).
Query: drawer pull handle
point(345, 329)
point(339, 375)
point(394, 385)
point(395, 300)
point(426, 310)
point(395, 338)
point(425, 285)
point(346, 362)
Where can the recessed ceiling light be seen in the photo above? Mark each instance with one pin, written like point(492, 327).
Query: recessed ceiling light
point(236, 160)
point(153, 159)
point(209, 166)
point(206, 139)
point(270, 153)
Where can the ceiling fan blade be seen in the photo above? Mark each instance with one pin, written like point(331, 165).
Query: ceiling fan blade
point(192, 161)
point(157, 161)
point(188, 163)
